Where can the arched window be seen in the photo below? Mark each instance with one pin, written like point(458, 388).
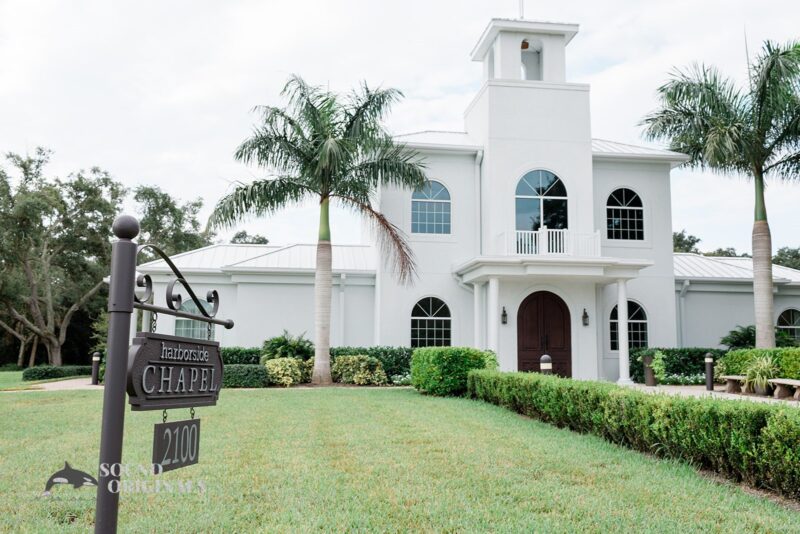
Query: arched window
point(430, 323)
point(190, 327)
point(430, 209)
point(789, 321)
point(637, 327)
point(625, 215)
point(541, 200)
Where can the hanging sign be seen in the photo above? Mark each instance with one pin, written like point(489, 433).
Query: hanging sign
point(175, 444)
point(167, 372)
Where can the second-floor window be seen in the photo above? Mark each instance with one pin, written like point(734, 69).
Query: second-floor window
point(430, 209)
point(541, 200)
point(190, 327)
point(625, 215)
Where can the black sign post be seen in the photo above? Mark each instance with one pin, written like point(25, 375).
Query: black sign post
point(158, 371)
point(120, 307)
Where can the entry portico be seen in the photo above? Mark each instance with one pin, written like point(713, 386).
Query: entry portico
point(513, 331)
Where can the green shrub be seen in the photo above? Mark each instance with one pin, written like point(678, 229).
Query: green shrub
point(244, 375)
point(746, 441)
point(358, 369)
point(443, 370)
point(306, 370)
point(744, 337)
point(787, 359)
point(240, 355)
point(686, 361)
point(395, 360)
point(401, 380)
point(283, 371)
point(759, 372)
point(287, 346)
point(44, 372)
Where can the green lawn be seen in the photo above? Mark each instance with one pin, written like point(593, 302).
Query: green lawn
point(349, 459)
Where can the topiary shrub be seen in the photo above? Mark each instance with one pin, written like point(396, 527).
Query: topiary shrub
point(287, 346)
point(787, 359)
point(443, 370)
point(283, 371)
point(44, 372)
point(746, 441)
point(244, 375)
point(395, 360)
point(358, 369)
point(240, 355)
point(679, 363)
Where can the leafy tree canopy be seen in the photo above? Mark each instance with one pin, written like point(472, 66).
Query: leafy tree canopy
point(243, 238)
point(166, 223)
point(684, 242)
point(788, 257)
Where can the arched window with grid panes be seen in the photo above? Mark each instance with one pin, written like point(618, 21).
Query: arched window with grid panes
point(624, 216)
point(789, 322)
point(541, 200)
point(430, 323)
point(430, 209)
point(637, 326)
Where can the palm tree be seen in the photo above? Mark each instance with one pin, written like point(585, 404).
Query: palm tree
point(753, 132)
point(324, 146)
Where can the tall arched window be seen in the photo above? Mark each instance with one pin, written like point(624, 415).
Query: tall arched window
point(541, 200)
point(637, 326)
point(624, 215)
point(190, 327)
point(789, 321)
point(430, 323)
point(430, 209)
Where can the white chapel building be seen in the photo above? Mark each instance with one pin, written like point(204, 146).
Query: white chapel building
point(530, 238)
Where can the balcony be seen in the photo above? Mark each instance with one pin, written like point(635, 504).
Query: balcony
point(546, 242)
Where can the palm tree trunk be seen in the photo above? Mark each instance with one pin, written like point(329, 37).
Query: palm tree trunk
point(762, 271)
point(322, 300)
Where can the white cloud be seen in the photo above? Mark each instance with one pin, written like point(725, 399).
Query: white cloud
point(160, 92)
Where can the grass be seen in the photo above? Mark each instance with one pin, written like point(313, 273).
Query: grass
point(349, 459)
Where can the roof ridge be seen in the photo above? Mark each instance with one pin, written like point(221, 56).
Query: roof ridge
point(430, 131)
point(279, 249)
point(180, 254)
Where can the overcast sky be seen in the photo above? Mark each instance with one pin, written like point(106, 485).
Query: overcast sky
point(160, 92)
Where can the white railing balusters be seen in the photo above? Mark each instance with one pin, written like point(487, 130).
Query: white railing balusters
point(553, 241)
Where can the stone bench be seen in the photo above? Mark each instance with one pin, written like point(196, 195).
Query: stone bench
point(784, 387)
point(733, 383)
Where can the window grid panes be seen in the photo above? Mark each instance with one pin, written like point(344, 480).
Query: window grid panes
point(637, 327)
point(430, 209)
point(430, 323)
point(541, 200)
point(789, 321)
point(625, 216)
point(190, 327)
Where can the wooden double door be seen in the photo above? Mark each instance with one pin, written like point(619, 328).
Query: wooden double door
point(543, 327)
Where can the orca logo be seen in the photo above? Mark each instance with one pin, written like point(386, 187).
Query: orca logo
point(68, 475)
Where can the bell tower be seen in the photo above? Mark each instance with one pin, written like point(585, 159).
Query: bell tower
point(524, 50)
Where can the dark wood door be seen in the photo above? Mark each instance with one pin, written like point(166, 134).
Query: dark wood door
point(543, 327)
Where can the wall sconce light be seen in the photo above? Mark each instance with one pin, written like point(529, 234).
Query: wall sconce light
point(504, 316)
point(585, 318)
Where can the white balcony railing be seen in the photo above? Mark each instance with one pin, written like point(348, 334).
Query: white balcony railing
point(549, 242)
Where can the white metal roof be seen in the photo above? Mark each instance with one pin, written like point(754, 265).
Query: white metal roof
point(497, 25)
point(601, 148)
point(346, 258)
point(698, 267)
point(265, 258)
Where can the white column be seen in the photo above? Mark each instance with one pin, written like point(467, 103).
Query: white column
point(493, 315)
point(622, 333)
point(477, 320)
point(134, 321)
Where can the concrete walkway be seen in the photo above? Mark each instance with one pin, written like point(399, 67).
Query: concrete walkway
point(79, 383)
point(718, 393)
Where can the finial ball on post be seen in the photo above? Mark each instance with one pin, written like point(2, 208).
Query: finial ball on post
point(125, 227)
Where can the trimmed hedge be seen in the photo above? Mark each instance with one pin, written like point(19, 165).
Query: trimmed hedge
point(686, 362)
point(788, 360)
point(443, 370)
point(240, 355)
point(43, 372)
point(238, 375)
point(284, 371)
point(756, 443)
point(395, 360)
point(358, 369)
